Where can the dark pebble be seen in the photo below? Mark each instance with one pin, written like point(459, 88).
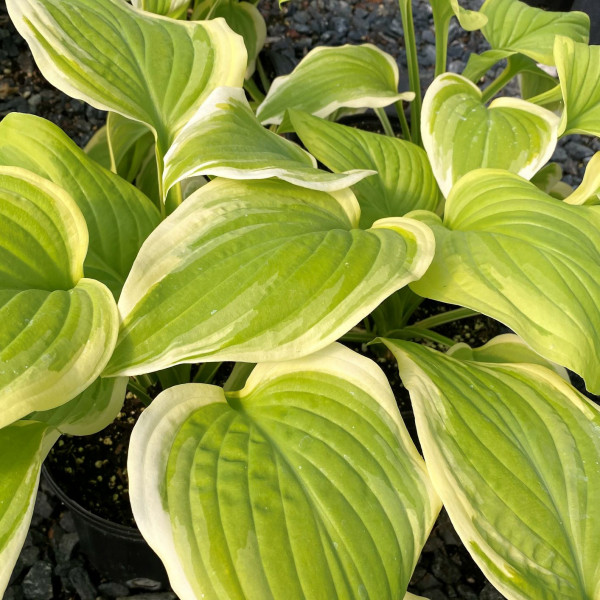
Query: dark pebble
point(161, 596)
point(489, 592)
point(578, 151)
point(142, 583)
point(113, 590)
point(37, 584)
point(65, 548)
point(445, 570)
point(81, 583)
point(66, 522)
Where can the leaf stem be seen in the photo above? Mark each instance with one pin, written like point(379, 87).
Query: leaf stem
point(409, 333)
point(446, 317)
point(251, 87)
point(385, 122)
point(266, 83)
point(403, 122)
point(139, 392)
point(498, 84)
point(410, 44)
point(206, 373)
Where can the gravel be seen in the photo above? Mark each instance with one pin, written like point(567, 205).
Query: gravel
point(51, 565)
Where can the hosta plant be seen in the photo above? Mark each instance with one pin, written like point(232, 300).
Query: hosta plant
point(192, 232)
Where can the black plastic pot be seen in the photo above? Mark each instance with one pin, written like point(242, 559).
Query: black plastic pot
point(558, 5)
point(117, 552)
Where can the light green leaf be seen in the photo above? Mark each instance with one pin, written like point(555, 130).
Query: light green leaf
point(578, 67)
point(505, 348)
point(118, 217)
point(225, 139)
point(516, 27)
point(514, 253)
point(169, 8)
point(89, 412)
point(305, 484)
point(589, 190)
point(97, 51)
point(129, 143)
point(461, 134)
point(514, 452)
point(479, 64)
point(23, 447)
point(259, 270)
point(43, 236)
point(330, 78)
point(468, 19)
point(244, 18)
point(97, 148)
point(547, 177)
point(53, 345)
point(404, 179)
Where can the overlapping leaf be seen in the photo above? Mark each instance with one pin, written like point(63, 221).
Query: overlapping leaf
point(23, 447)
point(404, 179)
point(588, 191)
point(330, 78)
point(58, 329)
point(514, 452)
point(578, 67)
point(304, 484)
point(89, 412)
point(225, 139)
point(512, 252)
point(97, 50)
point(259, 270)
point(244, 18)
point(514, 26)
point(118, 217)
point(461, 134)
point(169, 8)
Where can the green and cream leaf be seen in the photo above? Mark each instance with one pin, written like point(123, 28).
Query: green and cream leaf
point(526, 507)
point(404, 179)
point(461, 134)
point(330, 78)
point(303, 484)
point(533, 262)
point(118, 217)
point(23, 447)
point(515, 27)
point(259, 270)
point(224, 139)
point(578, 67)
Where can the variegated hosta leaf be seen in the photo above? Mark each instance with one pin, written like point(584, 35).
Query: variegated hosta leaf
point(330, 78)
point(259, 270)
point(244, 18)
point(461, 134)
point(225, 139)
point(23, 447)
point(578, 67)
point(58, 330)
point(305, 484)
point(589, 190)
point(505, 348)
point(129, 143)
point(169, 8)
point(512, 252)
point(404, 179)
point(547, 177)
point(97, 148)
point(468, 19)
point(89, 412)
point(514, 452)
point(516, 27)
point(97, 50)
point(43, 236)
point(53, 345)
point(118, 217)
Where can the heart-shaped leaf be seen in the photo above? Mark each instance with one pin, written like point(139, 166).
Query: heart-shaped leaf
point(578, 67)
point(514, 452)
point(23, 447)
point(97, 50)
point(58, 330)
point(118, 217)
point(244, 18)
point(225, 139)
point(516, 27)
point(304, 484)
point(512, 252)
point(404, 179)
point(461, 134)
point(259, 270)
point(330, 78)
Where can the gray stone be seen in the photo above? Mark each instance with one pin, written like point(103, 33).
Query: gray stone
point(113, 590)
point(37, 584)
point(81, 583)
point(489, 592)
